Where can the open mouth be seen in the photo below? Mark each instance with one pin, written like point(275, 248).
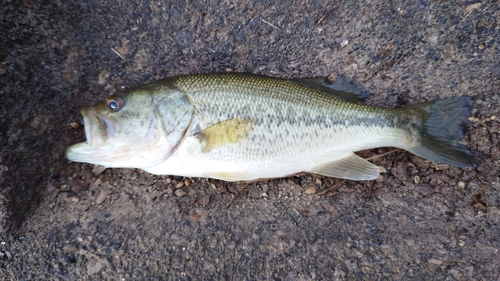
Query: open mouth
point(99, 131)
point(98, 128)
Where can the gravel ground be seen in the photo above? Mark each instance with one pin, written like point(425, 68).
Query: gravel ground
point(69, 221)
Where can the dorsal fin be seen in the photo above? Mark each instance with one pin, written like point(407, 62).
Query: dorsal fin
point(340, 88)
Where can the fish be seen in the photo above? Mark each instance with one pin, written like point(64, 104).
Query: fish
point(245, 127)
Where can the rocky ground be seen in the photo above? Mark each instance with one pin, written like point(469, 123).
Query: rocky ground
point(69, 221)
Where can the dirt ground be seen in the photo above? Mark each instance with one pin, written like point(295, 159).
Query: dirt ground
point(69, 221)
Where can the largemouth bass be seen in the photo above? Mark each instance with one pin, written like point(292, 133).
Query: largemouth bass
point(246, 127)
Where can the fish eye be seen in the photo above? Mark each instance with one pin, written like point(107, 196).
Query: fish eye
point(115, 103)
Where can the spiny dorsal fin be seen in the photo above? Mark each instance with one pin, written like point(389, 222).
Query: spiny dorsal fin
point(351, 167)
point(340, 88)
point(226, 132)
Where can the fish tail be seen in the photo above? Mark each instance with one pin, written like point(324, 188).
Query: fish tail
point(442, 126)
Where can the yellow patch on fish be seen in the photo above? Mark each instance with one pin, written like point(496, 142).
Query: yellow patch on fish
point(226, 132)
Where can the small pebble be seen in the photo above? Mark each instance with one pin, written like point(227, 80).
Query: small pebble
point(473, 7)
point(74, 199)
point(98, 169)
point(310, 190)
point(416, 179)
point(103, 76)
point(332, 76)
point(461, 184)
point(473, 119)
point(380, 179)
point(70, 248)
point(64, 187)
point(187, 182)
point(179, 185)
point(5, 255)
point(440, 167)
point(493, 117)
point(122, 50)
point(180, 193)
point(101, 197)
point(435, 261)
point(74, 125)
point(481, 46)
point(318, 181)
point(170, 192)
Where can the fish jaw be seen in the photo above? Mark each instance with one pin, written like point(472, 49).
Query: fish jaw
point(106, 155)
point(80, 152)
point(99, 133)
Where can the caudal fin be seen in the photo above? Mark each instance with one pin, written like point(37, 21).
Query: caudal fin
point(443, 126)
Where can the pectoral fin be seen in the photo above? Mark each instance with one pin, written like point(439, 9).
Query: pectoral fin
point(226, 132)
point(351, 167)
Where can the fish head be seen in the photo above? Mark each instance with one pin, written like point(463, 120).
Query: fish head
point(127, 130)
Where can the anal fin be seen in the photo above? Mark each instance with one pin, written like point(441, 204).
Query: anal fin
point(351, 167)
point(233, 176)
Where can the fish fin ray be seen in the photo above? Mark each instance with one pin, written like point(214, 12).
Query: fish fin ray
point(340, 88)
point(233, 176)
point(226, 132)
point(351, 167)
point(443, 126)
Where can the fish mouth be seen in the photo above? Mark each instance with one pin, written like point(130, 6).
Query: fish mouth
point(98, 128)
point(100, 132)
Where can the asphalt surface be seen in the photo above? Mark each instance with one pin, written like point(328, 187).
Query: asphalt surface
point(420, 220)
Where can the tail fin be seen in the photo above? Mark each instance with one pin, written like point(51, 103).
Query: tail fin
point(443, 126)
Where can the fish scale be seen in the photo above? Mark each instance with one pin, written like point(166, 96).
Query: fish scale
point(279, 111)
